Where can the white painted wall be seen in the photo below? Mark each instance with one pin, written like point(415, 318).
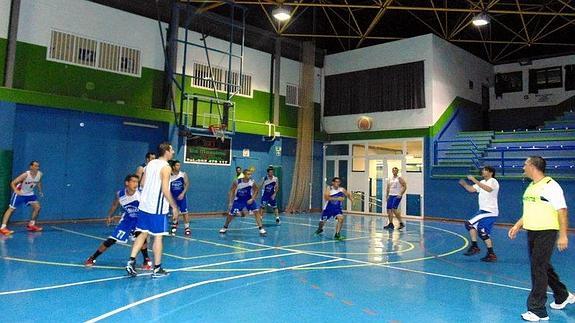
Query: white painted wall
point(4, 18)
point(453, 68)
point(38, 17)
point(523, 99)
point(445, 79)
point(392, 53)
point(96, 21)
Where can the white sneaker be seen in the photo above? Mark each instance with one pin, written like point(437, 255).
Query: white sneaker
point(532, 317)
point(223, 230)
point(570, 300)
point(263, 231)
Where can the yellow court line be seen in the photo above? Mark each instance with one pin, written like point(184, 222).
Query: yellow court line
point(53, 263)
point(101, 239)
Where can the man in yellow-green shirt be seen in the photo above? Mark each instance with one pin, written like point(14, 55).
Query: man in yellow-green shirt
point(545, 219)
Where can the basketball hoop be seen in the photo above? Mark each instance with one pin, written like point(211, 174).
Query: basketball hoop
point(219, 131)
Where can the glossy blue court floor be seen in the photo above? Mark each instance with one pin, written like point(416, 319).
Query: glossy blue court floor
point(418, 275)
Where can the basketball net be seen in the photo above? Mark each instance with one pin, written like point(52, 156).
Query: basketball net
point(219, 131)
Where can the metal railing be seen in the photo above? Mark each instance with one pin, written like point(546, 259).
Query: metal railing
point(502, 152)
point(477, 155)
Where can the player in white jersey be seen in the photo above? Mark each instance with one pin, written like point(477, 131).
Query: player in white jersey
point(155, 202)
point(242, 198)
point(270, 185)
point(482, 222)
point(396, 187)
point(23, 187)
point(179, 185)
point(128, 199)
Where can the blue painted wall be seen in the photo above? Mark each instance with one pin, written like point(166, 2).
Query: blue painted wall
point(82, 166)
point(210, 184)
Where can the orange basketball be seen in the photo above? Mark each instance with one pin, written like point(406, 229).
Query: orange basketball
point(364, 123)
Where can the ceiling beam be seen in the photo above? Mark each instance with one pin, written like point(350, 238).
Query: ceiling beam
point(438, 20)
point(523, 22)
point(333, 28)
point(374, 22)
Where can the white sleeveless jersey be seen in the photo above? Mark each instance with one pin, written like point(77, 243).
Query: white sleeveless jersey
point(334, 192)
point(152, 200)
point(27, 186)
point(395, 186)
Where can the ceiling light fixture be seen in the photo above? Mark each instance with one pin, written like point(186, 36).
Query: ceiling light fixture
point(481, 19)
point(281, 14)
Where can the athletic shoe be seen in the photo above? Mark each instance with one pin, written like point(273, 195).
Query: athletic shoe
point(147, 265)
point(223, 230)
point(472, 251)
point(401, 226)
point(570, 300)
point(390, 226)
point(338, 237)
point(159, 273)
point(6, 232)
point(263, 231)
point(173, 230)
point(33, 228)
point(490, 257)
point(532, 317)
point(90, 262)
point(131, 269)
point(318, 231)
point(187, 232)
point(277, 220)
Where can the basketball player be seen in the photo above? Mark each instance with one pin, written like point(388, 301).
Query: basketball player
point(129, 199)
point(482, 222)
point(179, 184)
point(334, 195)
point(396, 187)
point(155, 203)
point(242, 198)
point(271, 187)
point(23, 187)
point(140, 170)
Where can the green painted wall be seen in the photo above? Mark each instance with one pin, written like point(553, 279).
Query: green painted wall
point(3, 44)
point(62, 82)
point(35, 73)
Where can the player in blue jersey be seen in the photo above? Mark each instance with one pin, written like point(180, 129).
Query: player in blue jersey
point(129, 199)
point(179, 184)
point(242, 198)
point(271, 187)
point(334, 195)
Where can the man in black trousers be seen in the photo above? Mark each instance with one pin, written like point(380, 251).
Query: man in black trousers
point(545, 219)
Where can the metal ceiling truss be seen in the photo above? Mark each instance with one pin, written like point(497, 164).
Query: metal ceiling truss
point(519, 24)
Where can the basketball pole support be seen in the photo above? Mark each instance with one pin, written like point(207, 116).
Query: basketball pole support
point(194, 15)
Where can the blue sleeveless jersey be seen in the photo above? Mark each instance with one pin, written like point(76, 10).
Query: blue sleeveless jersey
point(334, 205)
point(269, 186)
point(244, 190)
point(129, 203)
point(177, 184)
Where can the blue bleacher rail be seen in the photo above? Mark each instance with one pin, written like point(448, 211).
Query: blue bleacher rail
point(502, 151)
point(475, 159)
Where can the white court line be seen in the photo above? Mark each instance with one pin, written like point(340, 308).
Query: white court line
point(205, 282)
point(61, 286)
point(397, 268)
point(101, 239)
point(145, 274)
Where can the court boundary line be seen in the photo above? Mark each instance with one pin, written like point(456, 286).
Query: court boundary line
point(367, 263)
point(197, 284)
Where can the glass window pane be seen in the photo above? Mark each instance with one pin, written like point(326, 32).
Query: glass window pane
point(337, 150)
point(385, 148)
point(358, 150)
point(414, 157)
point(358, 165)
